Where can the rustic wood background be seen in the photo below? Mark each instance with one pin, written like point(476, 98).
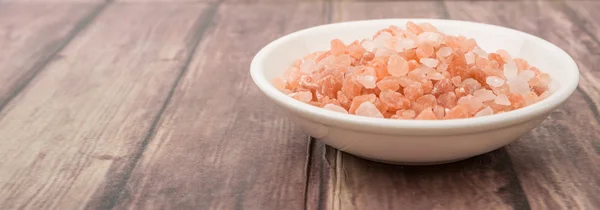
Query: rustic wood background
point(135, 104)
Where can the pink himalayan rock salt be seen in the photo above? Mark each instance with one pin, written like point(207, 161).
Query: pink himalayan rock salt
point(470, 85)
point(429, 62)
point(502, 100)
point(412, 74)
point(480, 52)
point(472, 102)
point(442, 67)
point(544, 95)
point(425, 50)
point(414, 28)
point(357, 101)
point(484, 112)
point(510, 70)
point(531, 98)
point(470, 58)
point(408, 113)
point(444, 52)
point(427, 27)
point(368, 45)
point(494, 81)
point(431, 37)
point(397, 66)
point(484, 95)
point(439, 112)
point(518, 85)
point(335, 108)
point(504, 54)
point(460, 111)
point(394, 100)
point(413, 91)
point(279, 83)
point(447, 100)
point(405, 44)
point(304, 96)
point(389, 83)
point(368, 109)
point(456, 80)
point(442, 86)
point(526, 74)
point(367, 81)
point(426, 114)
point(435, 76)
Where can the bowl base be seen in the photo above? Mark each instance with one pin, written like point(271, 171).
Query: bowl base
point(412, 163)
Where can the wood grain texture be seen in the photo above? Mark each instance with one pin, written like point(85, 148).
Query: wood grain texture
point(558, 163)
point(220, 144)
point(55, 1)
point(484, 182)
point(28, 42)
point(89, 111)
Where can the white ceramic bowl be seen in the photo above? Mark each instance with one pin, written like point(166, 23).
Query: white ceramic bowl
point(415, 141)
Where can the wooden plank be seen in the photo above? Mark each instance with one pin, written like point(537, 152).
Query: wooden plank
point(54, 1)
point(557, 163)
point(28, 42)
point(586, 15)
point(350, 11)
point(82, 120)
point(221, 144)
point(484, 182)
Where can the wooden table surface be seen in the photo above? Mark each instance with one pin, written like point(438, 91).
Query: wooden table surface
point(148, 104)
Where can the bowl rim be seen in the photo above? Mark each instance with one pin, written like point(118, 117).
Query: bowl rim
point(371, 124)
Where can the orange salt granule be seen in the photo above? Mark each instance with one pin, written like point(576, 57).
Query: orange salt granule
point(416, 73)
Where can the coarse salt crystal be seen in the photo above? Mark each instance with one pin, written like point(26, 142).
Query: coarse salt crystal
point(368, 109)
point(484, 112)
point(420, 72)
point(428, 27)
point(530, 98)
point(469, 58)
point(335, 108)
point(409, 113)
point(368, 45)
point(435, 76)
point(485, 95)
point(368, 81)
point(279, 83)
point(353, 69)
point(308, 66)
point(504, 54)
point(527, 74)
point(430, 62)
point(442, 67)
point(456, 80)
point(510, 70)
point(518, 85)
point(477, 50)
point(405, 44)
point(502, 100)
point(444, 52)
point(544, 95)
point(304, 96)
point(474, 103)
point(382, 52)
point(397, 66)
point(494, 81)
point(432, 37)
point(382, 39)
